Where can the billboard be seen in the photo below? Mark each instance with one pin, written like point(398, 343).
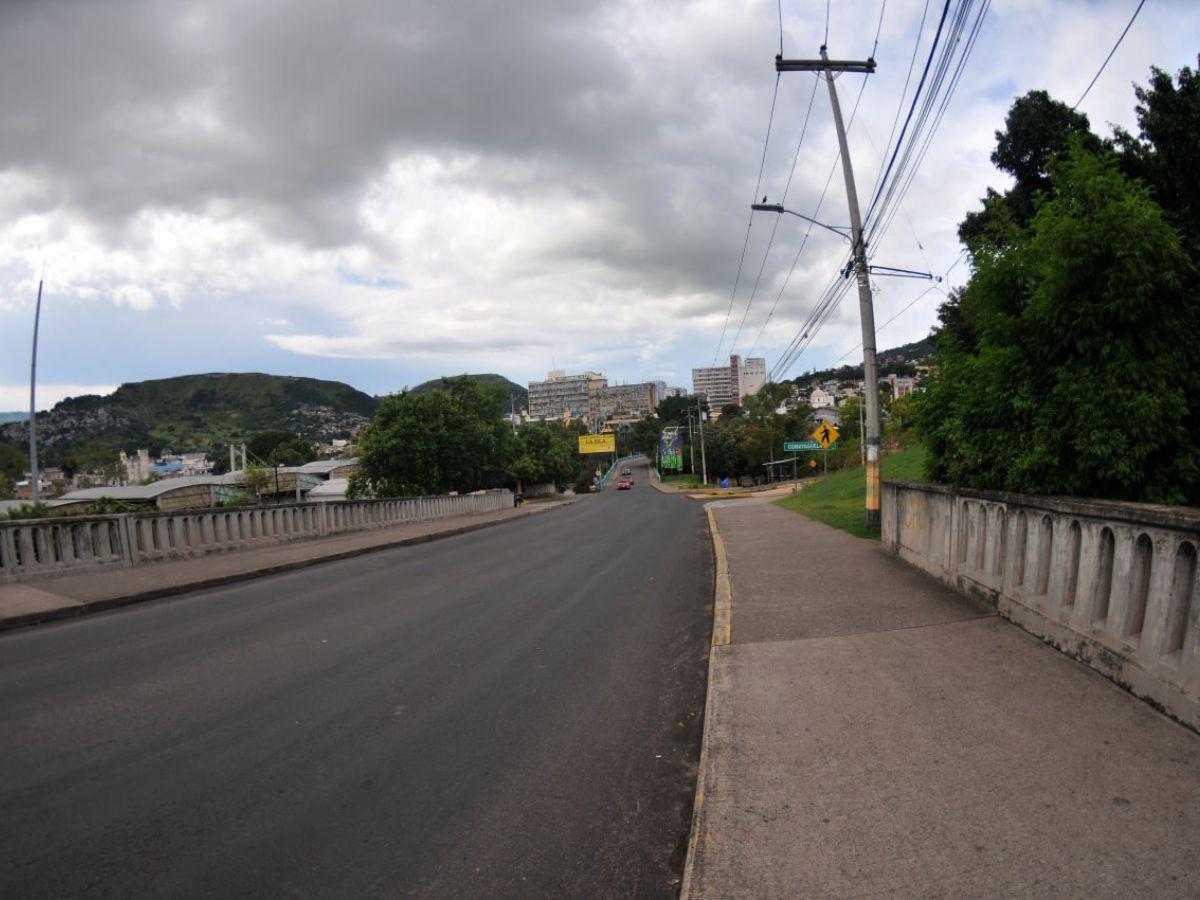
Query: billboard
point(670, 449)
point(597, 443)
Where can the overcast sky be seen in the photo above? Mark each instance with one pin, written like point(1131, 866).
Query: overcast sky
point(384, 192)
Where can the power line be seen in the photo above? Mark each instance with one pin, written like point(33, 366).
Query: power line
point(750, 222)
point(906, 160)
point(821, 200)
point(775, 225)
point(1100, 71)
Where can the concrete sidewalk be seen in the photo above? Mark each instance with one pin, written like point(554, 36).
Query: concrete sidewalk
point(870, 732)
point(78, 594)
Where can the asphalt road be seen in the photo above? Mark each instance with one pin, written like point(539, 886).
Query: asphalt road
point(513, 712)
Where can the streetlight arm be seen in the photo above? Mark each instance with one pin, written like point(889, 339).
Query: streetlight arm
point(777, 208)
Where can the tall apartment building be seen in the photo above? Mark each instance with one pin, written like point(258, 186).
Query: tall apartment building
point(729, 384)
point(562, 394)
point(627, 401)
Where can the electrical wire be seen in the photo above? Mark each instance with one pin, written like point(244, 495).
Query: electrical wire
point(891, 190)
point(750, 222)
point(775, 225)
point(1100, 71)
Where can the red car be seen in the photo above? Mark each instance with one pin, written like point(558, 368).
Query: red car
point(624, 485)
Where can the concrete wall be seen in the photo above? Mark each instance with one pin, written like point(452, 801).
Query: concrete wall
point(44, 548)
point(1112, 584)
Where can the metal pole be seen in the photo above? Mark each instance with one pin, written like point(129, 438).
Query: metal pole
point(34, 480)
point(703, 457)
point(866, 311)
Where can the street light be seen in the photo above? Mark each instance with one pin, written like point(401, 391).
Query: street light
point(781, 210)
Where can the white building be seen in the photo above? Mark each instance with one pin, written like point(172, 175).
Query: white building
point(726, 385)
point(821, 399)
point(753, 377)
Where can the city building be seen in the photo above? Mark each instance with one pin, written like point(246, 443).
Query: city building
point(137, 468)
point(625, 401)
point(564, 396)
point(901, 385)
point(729, 384)
point(753, 376)
point(821, 399)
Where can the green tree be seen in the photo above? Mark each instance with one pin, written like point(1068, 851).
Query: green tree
point(450, 439)
point(284, 447)
point(1036, 130)
point(256, 479)
point(541, 454)
point(12, 467)
point(1083, 379)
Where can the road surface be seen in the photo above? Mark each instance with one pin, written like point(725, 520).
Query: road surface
point(513, 712)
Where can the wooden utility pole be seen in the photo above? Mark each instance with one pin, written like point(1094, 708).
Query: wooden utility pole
point(866, 308)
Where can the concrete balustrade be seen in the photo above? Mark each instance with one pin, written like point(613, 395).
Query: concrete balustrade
point(1112, 584)
point(42, 548)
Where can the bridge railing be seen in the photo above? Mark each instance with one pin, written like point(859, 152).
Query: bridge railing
point(1113, 584)
point(42, 548)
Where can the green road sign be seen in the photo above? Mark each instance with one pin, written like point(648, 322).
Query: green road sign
point(799, 446)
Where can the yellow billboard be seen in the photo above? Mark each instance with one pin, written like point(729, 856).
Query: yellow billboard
point(597, 443)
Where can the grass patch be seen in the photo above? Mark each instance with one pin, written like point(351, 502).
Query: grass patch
point(682, 481)
point(839, 500)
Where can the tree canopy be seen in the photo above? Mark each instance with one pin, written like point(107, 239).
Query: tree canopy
point(1066, 366)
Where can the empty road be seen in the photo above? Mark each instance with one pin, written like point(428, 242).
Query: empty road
point(513, 712)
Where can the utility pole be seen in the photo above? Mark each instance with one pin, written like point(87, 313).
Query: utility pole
point(691, 443)
point(34, 480)
point(703, 458)
point(866, 308)
point(512, 412)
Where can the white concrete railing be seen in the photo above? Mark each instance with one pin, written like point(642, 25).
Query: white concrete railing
point(40, 548)
point(1112, 584)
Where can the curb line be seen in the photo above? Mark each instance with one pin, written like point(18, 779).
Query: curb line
point(24, 620)
point(721, 635)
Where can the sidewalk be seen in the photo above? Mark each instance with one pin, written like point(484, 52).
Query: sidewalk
point(870, 732)
point(74, 595)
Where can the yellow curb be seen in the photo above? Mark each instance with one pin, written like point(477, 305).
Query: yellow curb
point(722, 632)
point(723, 601)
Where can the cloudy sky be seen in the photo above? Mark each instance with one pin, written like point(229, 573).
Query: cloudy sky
point(384, 192)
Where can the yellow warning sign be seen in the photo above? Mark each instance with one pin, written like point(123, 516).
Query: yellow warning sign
point(825, 435)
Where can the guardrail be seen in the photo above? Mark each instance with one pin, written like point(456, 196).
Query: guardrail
point(1112, 584)
point(43, 548)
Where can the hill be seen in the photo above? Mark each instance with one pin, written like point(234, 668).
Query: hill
point(13, 417)
point(194, 412)
point(520, 394)
point(901, 360)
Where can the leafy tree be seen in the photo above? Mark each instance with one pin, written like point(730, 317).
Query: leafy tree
point(1163, 155)
point(674, 410)
point(450, 439)
point(283, 447)
point(542, 453)
point(1083, 379)
point(256, 479)
point(1036, 130)
point(12, 467)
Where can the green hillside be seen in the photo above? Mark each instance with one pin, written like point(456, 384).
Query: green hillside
point(520, 394)
point(900, 360)
point(194, 412)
